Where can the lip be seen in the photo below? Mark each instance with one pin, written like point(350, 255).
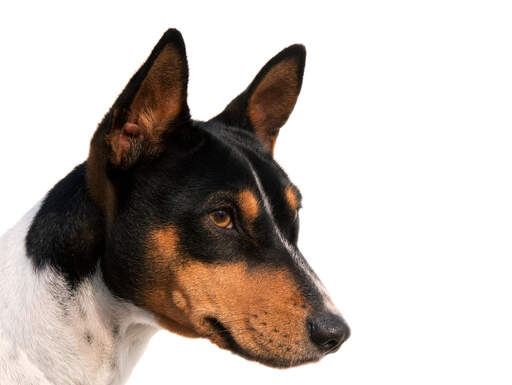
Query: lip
point(224, 333)
point(230, 343)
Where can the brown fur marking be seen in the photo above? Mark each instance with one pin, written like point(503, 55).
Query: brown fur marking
point(252, 304)
point(161, 294)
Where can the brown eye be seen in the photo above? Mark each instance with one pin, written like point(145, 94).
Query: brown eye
point(221, 218)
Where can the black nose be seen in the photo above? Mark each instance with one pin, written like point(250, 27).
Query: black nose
point(328, 331)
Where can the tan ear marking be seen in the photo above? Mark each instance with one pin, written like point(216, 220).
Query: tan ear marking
point(161, 95)
point(273, 100)
point(159, 100)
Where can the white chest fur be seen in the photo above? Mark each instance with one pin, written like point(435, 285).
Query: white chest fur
point(51, 335)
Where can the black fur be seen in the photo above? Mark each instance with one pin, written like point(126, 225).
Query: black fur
point(68, 231)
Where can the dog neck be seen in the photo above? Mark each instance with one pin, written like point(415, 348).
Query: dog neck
point(58, 326)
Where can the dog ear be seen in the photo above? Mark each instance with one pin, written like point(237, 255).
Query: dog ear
point(264, 107)
point(153, 104)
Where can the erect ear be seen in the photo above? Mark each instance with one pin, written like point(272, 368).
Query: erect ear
point(264, 107)
point(153, 104)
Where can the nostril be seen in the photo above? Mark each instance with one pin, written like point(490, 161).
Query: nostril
point(330, 345)
point(328, 332)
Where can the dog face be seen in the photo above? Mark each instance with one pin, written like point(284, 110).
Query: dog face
point(202, 222)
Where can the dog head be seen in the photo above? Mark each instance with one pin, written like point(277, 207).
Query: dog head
point(202, 223)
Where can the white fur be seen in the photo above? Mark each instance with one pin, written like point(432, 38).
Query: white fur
point(44, 328)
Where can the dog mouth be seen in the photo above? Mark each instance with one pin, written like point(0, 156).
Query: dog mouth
point(224, 334)
point(223, 337)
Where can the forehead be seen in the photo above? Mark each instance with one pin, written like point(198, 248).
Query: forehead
point(231, 161)
point(263, 171)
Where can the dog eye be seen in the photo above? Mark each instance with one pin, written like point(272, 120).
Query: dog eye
point(221, 218)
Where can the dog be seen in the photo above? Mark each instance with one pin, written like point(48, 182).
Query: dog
point(170, 223)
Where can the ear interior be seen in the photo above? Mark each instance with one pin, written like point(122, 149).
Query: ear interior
point(264, 107)
point(159, 102)
point(161, 96)
point(273, 100)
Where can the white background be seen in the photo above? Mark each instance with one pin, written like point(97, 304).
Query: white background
point(401, 143)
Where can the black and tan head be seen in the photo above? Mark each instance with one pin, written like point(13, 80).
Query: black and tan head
point(202, 222)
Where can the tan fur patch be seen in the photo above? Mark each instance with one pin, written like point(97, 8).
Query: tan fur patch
point(160, 293)
point(263, 308)
point(179, 300)
point(291, 198)
point(248, 205)
point(165, 242)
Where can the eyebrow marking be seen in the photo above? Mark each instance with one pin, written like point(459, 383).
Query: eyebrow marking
point(291, 197)
point(248, 205)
